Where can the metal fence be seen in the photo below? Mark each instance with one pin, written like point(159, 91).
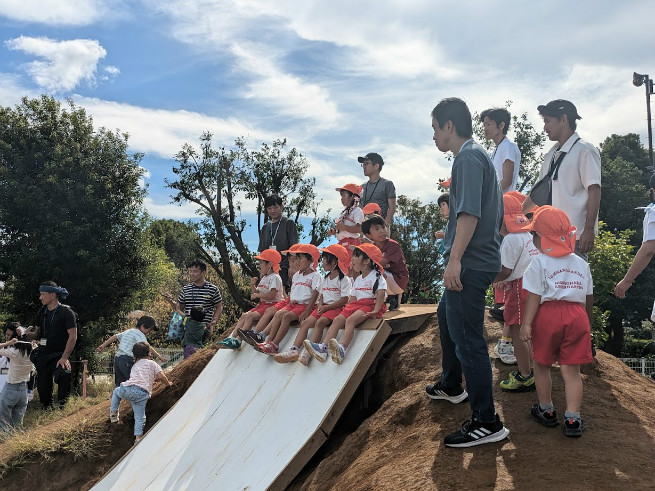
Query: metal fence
point(644, 366)
point(104, 362)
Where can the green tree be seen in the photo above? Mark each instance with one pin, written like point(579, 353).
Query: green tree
point(179, 240)
point(414, 227)
point(213, 178)
point(70, 209)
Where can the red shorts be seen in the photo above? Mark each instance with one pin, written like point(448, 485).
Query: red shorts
point(499, 295)
point(349, 243)
point(515, 297)
point(561, 330)
point(365, 305)
point(281, 304)
point(261, 307)
point(330, 314)
point(296, 308)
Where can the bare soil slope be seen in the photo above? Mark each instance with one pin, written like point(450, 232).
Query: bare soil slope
point(400, 445)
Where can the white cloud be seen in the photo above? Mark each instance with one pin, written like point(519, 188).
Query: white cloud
point(63, 64)
point(112, 70)
point(173, 211)
point(57, 12)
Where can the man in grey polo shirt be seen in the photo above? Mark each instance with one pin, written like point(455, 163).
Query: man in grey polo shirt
point(472, 259)
point(377, 189)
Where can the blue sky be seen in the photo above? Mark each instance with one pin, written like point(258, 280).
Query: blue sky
point(337, 79)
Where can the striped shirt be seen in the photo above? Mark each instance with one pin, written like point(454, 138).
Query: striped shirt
point(205, 296)
point(127, 340)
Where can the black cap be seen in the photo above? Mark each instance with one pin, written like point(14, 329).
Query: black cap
point(147, 322)
point(373, 157)
point(558, 107)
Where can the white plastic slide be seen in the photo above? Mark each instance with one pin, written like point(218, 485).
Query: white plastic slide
point(247, 422)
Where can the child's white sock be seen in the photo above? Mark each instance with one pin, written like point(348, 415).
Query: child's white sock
point(547, 406)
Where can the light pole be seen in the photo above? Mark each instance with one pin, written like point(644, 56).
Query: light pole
point(638, 80)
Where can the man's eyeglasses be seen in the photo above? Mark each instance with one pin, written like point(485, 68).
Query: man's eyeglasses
point(364, 164)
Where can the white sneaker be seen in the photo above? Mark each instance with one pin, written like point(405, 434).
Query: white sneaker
point(336, 350)
point(506, 352)
point(305, 357)
point(113, 416)
point(287, 356)
point(316, 350)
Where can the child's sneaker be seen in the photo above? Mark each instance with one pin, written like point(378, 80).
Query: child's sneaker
point(546, 418)
point(230, 343)
point(454, 395)
point(30, 395)
point(316, 350)
point(505, 351)
point(267, 348)
point(475, 433)
point(573, 427)
point(251, 336)
point(287, 356)
point(113, 416)
point(336, 350)
point(305, 357)
point(518, 383)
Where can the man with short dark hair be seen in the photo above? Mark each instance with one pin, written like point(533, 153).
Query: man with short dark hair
point(506, 157)
point(56, 330)
point(377, 189)
point(576, 183)
point(472, 259)
point(278, 233)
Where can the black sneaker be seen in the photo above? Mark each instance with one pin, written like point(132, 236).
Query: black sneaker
point(251, 337)
point(452, 394)
point(573, 427)
point(393, 302)
point(498, 314)
point(475, 433)
point(546, 418)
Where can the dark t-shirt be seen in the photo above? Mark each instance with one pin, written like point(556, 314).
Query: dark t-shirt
point(378, 192)
point(193, 332)
point(54, 326)
point(392, 252)
point(474, 190)
point(283, 234)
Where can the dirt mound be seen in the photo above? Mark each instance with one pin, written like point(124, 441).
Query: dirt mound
point(401, 445)
point(391, 435)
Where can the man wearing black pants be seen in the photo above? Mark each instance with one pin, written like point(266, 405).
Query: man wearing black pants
point(56, 330)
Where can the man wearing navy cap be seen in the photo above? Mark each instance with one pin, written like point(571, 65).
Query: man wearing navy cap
point(377, 189)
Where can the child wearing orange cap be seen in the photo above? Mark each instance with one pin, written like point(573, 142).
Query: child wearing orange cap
point(516, 252)
point(348, 226)
point(557, 315)
point(334, 293)
point(303, 295)
point(372, 209)
point(366, 302)
point(268, 289)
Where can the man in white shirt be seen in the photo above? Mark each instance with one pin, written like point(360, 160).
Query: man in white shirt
point(576, 182)
point(506, 156)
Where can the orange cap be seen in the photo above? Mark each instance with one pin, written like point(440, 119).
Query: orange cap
point(519, 196)
point(513, 215)
point(292, 249)
point(343, 258)
point(372, 208)
point(554, 229)
point(272, 256)
point(356, 189)
point(446, 183)
point(373, 252)
point(310, 249)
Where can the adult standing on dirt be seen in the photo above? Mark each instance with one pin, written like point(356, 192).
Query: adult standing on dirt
point(472, 259)
point(56, 330)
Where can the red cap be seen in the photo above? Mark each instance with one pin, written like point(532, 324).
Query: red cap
point(292, 249)
point(310, 249)
point(373, 252)
point(272, 256)
point(356, 189)
point(343, 258)
point(554, 229)
point(446, 183)
point(513, 215)
point(371, 209)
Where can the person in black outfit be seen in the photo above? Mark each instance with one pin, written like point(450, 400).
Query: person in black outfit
point(278, 233)
point(56, 330)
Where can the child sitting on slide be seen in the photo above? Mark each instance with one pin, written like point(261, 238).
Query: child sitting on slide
point(366, 302)
point(333, 295)
point(269, 291)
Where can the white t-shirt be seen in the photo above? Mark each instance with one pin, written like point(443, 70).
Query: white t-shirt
point(516, 252)
point(269, 282)
point(127, 339)
point(507, 150)
point(354, 217)
point(363, 286)
point(579, 169)
point(20, 366)
point(4, 371)
point(302, 286)
point(649, 223)
point(559, 278)
point(143, 374)
point(334, 289)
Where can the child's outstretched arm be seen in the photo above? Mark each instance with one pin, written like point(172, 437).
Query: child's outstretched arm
point(111, 340)
point(159, 357)
point(161, 376)
point(531, 305)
